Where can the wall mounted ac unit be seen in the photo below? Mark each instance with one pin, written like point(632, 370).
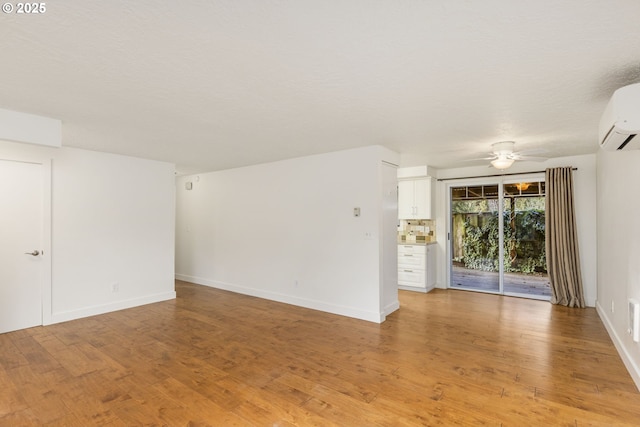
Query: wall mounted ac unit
point(620, 122)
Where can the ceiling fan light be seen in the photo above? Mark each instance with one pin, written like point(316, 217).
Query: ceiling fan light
point(502, 163)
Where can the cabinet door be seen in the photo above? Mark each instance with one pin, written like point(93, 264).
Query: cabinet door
point(411, 261)
point(422, 198)
point(412, 249)
point(409, 277)
point(405, 200)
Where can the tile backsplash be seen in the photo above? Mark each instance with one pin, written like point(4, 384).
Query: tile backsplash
point(416, 230)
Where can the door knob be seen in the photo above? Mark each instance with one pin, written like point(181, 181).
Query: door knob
point(34, 253)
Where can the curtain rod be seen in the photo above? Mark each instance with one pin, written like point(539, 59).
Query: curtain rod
point(490, 176)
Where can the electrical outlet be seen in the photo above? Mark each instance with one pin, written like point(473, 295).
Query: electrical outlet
point(115, 287)
point(368, 235)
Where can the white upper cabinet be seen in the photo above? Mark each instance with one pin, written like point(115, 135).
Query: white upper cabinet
point(422, 198)
point(405, 199)
point(415, 198)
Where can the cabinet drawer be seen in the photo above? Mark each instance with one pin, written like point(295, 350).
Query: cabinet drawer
point(411, 277)
point(412, 249)
point(412, 261)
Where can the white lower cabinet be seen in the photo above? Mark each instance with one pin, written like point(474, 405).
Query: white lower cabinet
point(416, 268)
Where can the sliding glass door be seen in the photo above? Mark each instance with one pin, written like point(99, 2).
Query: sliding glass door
point(475, 237)
point(496, 238)
point(525, 263)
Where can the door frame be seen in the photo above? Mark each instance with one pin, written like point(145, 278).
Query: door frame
point(495, 179)
point(46, 280)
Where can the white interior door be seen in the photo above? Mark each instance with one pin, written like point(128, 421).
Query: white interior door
point(21, 243)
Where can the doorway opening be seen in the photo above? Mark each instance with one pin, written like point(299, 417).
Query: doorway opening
point(497, 238)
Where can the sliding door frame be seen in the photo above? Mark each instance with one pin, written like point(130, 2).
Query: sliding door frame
point(489, 180)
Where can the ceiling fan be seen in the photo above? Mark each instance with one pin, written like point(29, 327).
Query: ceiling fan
point(503, 155)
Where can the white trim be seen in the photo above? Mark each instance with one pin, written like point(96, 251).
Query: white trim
point(631, 366)
point(501, 180)
point(288, 299)
point(390, 308)
point(416, 288)
point(108, 308)
point(47, 279)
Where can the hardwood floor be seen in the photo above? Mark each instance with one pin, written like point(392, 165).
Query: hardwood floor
point(216, 358)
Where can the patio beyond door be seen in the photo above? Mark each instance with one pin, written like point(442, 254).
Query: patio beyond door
point(497, 238)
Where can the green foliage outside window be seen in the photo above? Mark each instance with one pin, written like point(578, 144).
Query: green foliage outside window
point(524, 241)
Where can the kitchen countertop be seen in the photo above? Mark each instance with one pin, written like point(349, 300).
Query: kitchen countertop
point(404, 242)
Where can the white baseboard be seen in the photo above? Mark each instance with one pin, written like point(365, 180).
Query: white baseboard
point(628, 361)
point(288, 299)
point(65, 316)
point(412, 289)
point(416, 289)
point(390, 308)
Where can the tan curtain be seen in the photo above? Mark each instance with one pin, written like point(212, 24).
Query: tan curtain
point(563, 257)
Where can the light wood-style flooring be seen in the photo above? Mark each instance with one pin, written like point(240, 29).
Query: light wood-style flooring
point(216, 358)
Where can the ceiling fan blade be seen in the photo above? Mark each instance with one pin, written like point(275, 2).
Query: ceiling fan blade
point(477, 159)
point(533, 152)
point(530, 158)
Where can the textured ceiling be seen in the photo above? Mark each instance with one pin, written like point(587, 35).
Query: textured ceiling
point(210, 85)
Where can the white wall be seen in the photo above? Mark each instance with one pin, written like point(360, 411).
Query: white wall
point(112, 221)
point(286, 231)
point(619, 249)
point(389, 239)
point(585, 202)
